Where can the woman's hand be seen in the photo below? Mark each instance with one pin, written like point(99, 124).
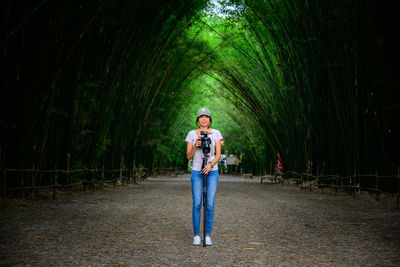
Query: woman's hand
point(207, 168)
point(191, 149)
point(198, 143)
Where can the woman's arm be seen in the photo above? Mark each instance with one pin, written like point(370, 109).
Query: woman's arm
point(216, 159)
point(217, 152)
point(190, 149)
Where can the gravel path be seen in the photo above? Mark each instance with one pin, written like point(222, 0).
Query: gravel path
point(150, 224)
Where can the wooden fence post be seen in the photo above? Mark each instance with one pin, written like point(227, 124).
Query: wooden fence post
point(94, 178)
point(120, 175)
point(68, 169)
point(55, 183)
point(39, 178)
point(114, 179)
point(270, 169)
point(102, 177)
point(376, 185)
point(4, 188)
point(398, 187)
point(34, 173)
point(322, 186)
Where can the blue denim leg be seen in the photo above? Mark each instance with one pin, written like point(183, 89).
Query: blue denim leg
point(197, 192)
point(212, 182)
point(197, 195)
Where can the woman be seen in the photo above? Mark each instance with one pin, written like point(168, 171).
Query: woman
point(203, 123)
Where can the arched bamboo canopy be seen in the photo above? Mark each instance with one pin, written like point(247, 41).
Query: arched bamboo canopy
point(118, 82)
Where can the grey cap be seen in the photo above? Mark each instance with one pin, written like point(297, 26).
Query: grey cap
point(203, 111)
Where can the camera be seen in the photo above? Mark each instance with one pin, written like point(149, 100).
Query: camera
point(205, 142)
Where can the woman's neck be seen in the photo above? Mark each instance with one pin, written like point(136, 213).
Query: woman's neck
point(206, 128)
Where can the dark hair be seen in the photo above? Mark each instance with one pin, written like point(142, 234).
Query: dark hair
point(197, 121)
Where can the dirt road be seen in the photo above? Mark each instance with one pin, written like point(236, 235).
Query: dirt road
point(150, 224)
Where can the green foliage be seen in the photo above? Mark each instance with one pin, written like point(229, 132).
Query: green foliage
point(302, 73)
point(96, 82)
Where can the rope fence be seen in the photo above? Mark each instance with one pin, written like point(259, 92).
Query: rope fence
point(375, 184)
point(30, 181)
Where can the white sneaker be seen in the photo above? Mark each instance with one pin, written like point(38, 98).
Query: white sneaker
point(196, 240)
point(208, 241)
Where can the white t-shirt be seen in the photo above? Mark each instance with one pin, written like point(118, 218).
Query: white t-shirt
point(192, 136)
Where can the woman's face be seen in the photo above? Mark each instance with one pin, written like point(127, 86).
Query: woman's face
point(204, 120)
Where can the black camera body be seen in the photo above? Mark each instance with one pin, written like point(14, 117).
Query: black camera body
point(205, 142)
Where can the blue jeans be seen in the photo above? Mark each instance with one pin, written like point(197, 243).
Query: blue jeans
point(197, 195)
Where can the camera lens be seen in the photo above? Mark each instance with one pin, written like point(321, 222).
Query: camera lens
point(205, 144)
